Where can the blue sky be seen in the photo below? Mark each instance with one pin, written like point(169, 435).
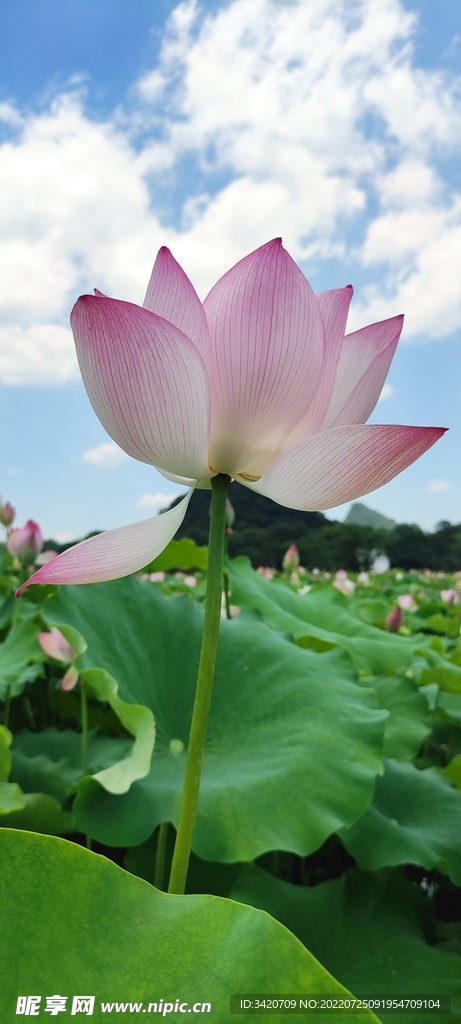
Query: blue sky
point(212, 127)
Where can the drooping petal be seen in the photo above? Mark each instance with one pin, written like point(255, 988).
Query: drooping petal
point(171, 295)
point(113, 554)
point(341, 464)
point(56, 646)
point(146, 382)
point(334, 307)
point(363, 366)
point(200, 485)
point(267, 340)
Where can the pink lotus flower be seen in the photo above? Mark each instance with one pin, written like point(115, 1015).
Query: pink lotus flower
point(25, 542)
point(56, 646)
point(259, 382)
point(407, 603)
point(450, 596)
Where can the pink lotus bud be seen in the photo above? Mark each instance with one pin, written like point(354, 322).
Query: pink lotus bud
point(341, 574)
point(190, 581)
point(450, 596)
point(70, 679)
point(229, 515)
point(394, 620)
point(7, 514)
point(157, 577)
point(290, 561)
point(56, 646)
point(407, 603)
point(26, 542)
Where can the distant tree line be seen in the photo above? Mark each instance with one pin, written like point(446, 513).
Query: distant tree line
point(264, 530)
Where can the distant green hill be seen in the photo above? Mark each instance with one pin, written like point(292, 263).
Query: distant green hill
point(360, 515)
point(252, 512)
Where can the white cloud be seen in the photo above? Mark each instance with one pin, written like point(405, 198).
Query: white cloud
point(156, 500)
point(317, 118)
point(438, 486)
point(387, 392)
point(106, 454)
point(40, 354)
point(65, 538)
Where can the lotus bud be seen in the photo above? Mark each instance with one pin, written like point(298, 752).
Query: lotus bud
point(229, 514)
point(450, 596)
point(56, 646)
point(290, 561)
point(7, 514)
point(25, 542)
point(394, 620)
point(341, 574)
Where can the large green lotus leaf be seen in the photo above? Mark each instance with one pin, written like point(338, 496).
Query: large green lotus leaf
point(51, 761)
point(322, 614)
point(440, 670)
point(40, 813)
point(95, 930)
point(293, 743)
point(181, 554)
point(414, 818)
point(369, 934)
point(11, 796)
point(453, 771)
point(408, 723)
point(20, 647)
point(137, 719)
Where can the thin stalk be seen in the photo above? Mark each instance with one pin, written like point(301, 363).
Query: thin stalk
point(160, 852)
point(84, 726)
point(219, 486)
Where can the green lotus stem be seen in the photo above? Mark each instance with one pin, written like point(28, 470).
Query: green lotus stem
point(160, 852)
point(84, 726)
point(219, 487)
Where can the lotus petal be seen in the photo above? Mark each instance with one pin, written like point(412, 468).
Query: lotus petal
point(334, 307)
point(363, 367)
point(146, 382)
point(342, 463)
point(113, 554)
point(267, 338)
point(171, 295)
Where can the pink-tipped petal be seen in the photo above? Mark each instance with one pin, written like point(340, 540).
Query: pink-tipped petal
point(267, 338)
point(341, 464)
point(363, 367)
point(334, 307)
point(146, 382)
point(70, 679)
point(114, 554)
point(171, 295)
